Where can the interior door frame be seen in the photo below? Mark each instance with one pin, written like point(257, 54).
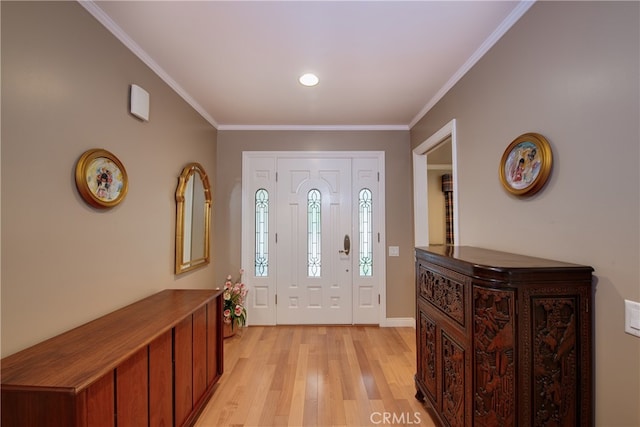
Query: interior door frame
point(420, 184)
point(247, 237)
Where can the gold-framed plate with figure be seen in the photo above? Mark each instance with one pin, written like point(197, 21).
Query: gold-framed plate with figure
point(101, 178)
point(526, 164)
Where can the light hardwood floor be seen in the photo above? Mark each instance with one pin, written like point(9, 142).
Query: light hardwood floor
point(317, 376)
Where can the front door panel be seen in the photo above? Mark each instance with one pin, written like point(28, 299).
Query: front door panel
point(314, 269)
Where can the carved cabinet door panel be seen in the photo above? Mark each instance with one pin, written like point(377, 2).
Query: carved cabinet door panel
point(455, 362)
point(427, 360)
point(557, 383)
point(494, 349)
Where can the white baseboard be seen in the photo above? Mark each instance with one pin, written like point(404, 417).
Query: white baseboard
point(389, 322)
point(399, 322)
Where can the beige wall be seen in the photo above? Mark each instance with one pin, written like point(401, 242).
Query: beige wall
point(569, 71)
point(65, 83)
point(399, 229)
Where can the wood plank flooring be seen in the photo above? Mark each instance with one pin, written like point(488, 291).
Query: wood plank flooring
point(317, 376)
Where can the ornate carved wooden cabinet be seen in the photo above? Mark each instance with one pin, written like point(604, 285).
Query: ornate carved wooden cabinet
point(154, 362)
point(503, 339)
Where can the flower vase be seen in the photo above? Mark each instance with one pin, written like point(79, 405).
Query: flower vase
point(227, 331)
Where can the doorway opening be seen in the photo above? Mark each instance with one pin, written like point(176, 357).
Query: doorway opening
point(431, 161)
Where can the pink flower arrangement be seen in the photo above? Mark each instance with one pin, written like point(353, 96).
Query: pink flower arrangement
point(234, 294)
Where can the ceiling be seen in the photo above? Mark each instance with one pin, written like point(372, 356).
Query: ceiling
point(381, 64)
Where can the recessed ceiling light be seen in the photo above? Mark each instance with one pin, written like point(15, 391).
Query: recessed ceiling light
point(308, 79)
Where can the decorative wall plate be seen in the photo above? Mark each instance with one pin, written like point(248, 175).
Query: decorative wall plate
point(526, 164)
point(101, 178)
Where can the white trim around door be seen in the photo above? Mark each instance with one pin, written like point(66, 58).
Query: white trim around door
point(264, 261)
point(420, 192)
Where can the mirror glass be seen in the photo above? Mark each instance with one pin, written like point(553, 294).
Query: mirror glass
point(193, 216)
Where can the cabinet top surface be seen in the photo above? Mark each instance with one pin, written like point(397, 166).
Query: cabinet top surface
point(76, 358)
point(487, 262)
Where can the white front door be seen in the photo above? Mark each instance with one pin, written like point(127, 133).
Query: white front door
point(313, 241)
point(314, 220)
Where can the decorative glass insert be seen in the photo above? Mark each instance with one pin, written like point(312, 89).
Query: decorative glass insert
point(262, 233)
point(365, 228)
point(314, 235)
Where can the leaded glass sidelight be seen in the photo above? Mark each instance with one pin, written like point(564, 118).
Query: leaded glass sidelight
point(314, 233)
point(262, 233)
point(365, 228)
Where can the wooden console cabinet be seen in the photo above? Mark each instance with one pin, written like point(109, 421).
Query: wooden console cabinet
point(503, 339)
point(152, 363)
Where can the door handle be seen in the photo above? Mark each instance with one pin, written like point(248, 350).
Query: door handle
point(346, 244)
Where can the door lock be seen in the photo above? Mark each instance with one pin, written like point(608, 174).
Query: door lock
point(346, 243)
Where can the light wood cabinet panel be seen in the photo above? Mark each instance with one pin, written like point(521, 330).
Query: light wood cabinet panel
point(214, 340)
point(161, 381)
point(119, 367)
point(51, 408)
point(183, 373)
point(132, 390)
point(200, 351)
point(100, 402)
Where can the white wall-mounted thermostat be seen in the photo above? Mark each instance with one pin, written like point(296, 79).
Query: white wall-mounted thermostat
point(139, 102)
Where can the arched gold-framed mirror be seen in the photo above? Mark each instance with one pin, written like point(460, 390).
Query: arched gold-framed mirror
point(193, 218)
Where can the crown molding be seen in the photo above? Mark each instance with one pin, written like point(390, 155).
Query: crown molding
point(120, 34)
point(315, 127)
point(504, 26)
